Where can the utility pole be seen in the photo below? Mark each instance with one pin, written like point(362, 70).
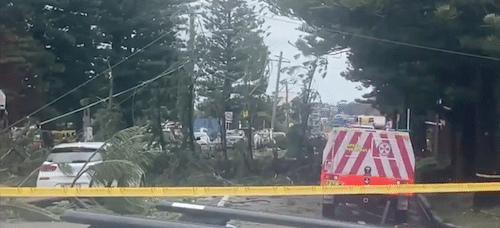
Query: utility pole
point(191, 47)
point(275, 153)
point(436, 137)
point(276, 93)
point(3, 110)
point(110, 104)
point(287, 105)
point(277, 89)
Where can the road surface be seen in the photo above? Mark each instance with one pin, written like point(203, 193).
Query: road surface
point(307, 206)
point(310, 207)
point(41, 225)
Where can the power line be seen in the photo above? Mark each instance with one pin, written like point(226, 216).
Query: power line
point(397, 42)
point(88, 81)
point(164, 73)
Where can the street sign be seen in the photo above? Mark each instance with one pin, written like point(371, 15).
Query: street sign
point(229, 117)
point(88, 136)
point(3, 100)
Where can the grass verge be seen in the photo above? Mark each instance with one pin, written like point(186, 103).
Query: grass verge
point(457, 210)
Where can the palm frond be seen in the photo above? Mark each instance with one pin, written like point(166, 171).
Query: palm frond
point(66, 169)
point(126, 154)
point(126, 173)
point(129, 144)
point(27, 211)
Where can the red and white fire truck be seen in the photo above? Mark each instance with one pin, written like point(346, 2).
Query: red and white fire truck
point(368, 156)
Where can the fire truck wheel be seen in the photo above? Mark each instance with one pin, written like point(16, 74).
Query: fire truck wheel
point(328, 210)
point(401, 216)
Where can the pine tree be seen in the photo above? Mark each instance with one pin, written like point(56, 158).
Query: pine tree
point(234, 56)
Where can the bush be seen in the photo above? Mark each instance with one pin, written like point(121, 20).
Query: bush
point(428, 170)
point(281, 142)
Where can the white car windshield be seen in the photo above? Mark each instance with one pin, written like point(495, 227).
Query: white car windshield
point(73, 157)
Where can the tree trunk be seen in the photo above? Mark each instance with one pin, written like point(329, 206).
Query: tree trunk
point(250, 138)
point(305, 111)
point(488, 124)
point(468, 120)
point(223, 134)
point(190, 117)
point(226, 89)
point(454, 150)
point(487, 128)
point(418, 136)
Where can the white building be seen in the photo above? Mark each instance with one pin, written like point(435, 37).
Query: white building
point(282, 97)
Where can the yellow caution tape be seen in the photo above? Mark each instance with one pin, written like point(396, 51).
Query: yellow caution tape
point(245, 191)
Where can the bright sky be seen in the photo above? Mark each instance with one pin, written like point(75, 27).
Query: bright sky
point(332, 88)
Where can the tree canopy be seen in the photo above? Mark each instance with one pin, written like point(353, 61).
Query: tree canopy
point(424, 55)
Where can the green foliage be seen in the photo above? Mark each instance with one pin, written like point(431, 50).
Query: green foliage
point(85, 36)
point(65, 168)
point(108, 122)
point(23, 62)
point(126, 158)
point(232, 51)
point(124, 206)
point(424, 64)
point(233, 58)
point(281, 141)
point(27, 212)
point(428, 170)
point(18, 155)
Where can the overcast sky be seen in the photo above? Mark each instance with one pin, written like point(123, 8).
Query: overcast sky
point(332, 88)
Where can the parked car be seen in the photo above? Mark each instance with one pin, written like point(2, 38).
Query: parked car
point(234, 136)
point(65, 161)
point(262, 138)
point(203, 140)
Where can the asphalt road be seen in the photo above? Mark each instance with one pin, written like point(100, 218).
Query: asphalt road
point(309, 207)
point(42, 225)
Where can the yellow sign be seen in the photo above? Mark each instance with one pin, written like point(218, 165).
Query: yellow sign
point(69, 135)
point(246, 191)
point(333, 183)
point(356, 148)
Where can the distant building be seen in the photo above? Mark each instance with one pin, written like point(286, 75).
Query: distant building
point(282, 97)
point(321, 114)
point(211, 126)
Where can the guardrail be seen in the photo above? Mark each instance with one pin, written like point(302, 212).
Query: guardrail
point(245, 191)
point(105, 220)
point(255, 216)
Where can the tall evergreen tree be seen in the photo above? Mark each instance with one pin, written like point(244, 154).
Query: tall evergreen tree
point(234, 56)
point(24, 62)
point(86, 35)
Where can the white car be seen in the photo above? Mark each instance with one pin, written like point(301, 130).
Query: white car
point(234, 136)
point(65, 161)
point(203, 140)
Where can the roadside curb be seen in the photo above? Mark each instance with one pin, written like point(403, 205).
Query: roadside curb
point(436, 220)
